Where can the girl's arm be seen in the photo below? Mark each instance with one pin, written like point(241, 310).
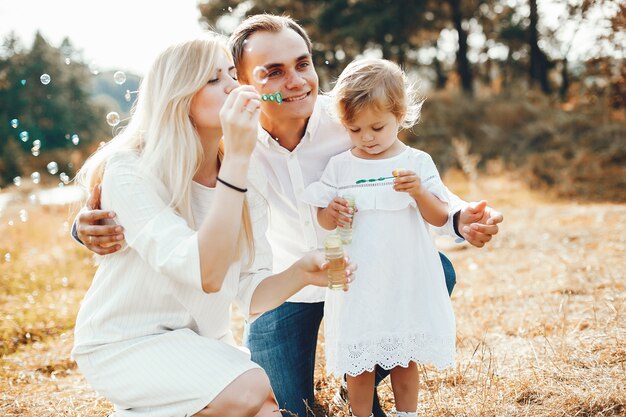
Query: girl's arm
point(433, 210)
point(335, 215)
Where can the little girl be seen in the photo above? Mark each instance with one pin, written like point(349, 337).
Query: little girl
point(397, 313)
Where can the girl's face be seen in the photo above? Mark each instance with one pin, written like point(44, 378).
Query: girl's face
point(374, 134)
point(207, 102)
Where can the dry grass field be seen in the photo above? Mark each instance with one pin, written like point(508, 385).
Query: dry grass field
point(541, 314)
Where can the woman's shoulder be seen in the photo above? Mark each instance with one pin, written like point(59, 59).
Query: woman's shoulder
point(123, 158)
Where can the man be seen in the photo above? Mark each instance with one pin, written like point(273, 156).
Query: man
point(297, 139)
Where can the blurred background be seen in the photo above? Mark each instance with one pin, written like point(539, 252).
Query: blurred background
point(531, 87)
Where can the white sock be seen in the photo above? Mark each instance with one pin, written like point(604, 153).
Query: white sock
point(406, 414)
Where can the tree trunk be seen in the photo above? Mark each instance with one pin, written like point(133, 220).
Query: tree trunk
point(538, 60)
point(564, 90)
point(463, 65)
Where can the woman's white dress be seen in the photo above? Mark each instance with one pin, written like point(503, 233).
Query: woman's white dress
point(147, 337)
point(398, 309)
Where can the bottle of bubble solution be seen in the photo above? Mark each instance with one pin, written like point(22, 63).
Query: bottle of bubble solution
point(333, 250)
point(345, 231)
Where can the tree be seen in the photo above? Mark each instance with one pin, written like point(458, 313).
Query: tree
point(49, 112)
point(538, 69)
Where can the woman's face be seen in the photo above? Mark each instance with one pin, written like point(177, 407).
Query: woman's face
point(207, 102)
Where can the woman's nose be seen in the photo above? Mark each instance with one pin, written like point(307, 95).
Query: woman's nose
point(230, 85)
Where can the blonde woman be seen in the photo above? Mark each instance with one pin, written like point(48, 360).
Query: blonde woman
point(152, 334)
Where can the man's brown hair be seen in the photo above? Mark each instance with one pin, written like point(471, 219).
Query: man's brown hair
point(261, 23)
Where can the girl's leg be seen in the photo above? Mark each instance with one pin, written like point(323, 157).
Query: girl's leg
point(249, 395)
point(361, 393)
point(405, 385)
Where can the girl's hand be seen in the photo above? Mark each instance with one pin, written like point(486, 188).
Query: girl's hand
point(239, 117)
point(339, 212)
point(408, 182)
point(313, 267)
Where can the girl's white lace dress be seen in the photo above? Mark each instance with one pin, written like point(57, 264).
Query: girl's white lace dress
point(398, 309)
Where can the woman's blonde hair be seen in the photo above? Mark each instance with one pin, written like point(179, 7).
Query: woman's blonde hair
point(161, 132)
point(376, 83)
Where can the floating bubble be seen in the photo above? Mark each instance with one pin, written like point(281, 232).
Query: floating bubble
point(35, 177)
point(119, 77)
point(113, 119)
point(75, 139)
point(23, 82)
point(10, 222)
point(127, 96)
point(64, 281)
point(15, 123)
point(7, 257)
point(70, 165)
point(45, 79)
point(93, 68)
point(52, 167)
point(33, 199)
point(230, 9)
point(17, 181)
point(36, 147)
point(326, 62)
point(68, 61)
point(23, 215)
point(67, 136)
point(260, 75)
point(65, 179)
point(24, 136)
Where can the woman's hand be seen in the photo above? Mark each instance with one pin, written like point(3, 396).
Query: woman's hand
point(239, 117)
point(314, 267)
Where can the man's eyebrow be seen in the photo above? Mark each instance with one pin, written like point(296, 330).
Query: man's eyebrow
point(278, 64)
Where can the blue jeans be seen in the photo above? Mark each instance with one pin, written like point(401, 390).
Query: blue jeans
point(283, 342)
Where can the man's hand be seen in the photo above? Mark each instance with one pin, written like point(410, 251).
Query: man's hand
point(98, 238)
point(478, 223)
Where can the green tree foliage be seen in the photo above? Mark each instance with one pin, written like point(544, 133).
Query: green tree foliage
point(51, 113)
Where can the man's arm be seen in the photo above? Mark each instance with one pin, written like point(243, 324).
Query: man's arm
point(88, 230)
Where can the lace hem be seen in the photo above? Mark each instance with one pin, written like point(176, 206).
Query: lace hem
point(391, 351)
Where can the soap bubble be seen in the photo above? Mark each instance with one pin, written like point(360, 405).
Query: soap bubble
point(23, 215)
point(15, 123)
point(53, 167)
point(260, 74)
point(17, 181)
point(127, 96)
point(119, 77)
point(113, 119)
point(35, 177)
point(24, 136)
point(75, 139)
point(45, 79)
point(65, 179)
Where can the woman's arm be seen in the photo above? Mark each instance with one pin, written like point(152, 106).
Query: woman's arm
point(275, 289)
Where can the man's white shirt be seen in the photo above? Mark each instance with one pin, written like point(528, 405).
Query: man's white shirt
point(293, 229)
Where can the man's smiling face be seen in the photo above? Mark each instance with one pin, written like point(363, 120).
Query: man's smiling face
point(289, 70)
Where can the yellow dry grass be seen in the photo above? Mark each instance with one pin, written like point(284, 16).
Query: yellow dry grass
point(540, 315)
